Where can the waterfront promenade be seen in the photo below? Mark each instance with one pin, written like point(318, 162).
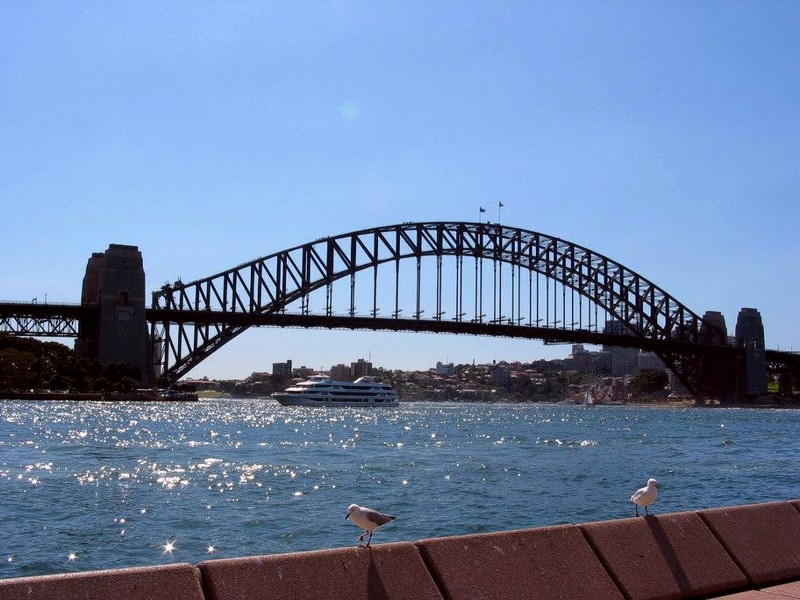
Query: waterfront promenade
point(737, 553)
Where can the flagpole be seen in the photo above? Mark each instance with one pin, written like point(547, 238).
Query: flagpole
point(499, 206)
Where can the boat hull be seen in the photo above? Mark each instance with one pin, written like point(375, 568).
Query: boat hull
point(287, 400)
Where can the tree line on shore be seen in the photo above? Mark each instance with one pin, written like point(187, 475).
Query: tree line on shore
point(29, 364)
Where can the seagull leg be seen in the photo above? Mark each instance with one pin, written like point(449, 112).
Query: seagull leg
point(369, 539)
point(645, 510)
point(636, 508)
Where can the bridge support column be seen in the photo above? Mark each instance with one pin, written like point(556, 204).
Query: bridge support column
point(750, 337)
point(115, 284)
point(717, 370)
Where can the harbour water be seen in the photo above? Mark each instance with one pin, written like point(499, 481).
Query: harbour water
point(87, 486)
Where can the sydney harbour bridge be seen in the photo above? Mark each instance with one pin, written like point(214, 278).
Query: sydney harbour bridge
point(445, 277)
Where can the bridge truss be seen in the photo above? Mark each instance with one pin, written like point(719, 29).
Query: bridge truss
point(439, 276)
point(41, 320)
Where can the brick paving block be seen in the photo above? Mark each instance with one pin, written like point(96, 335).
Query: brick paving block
point(748, 595)
point(553, 563)
point(664, 557)
point(784, 590)
point(170, 582)
point(382, 572)
point(764, 539)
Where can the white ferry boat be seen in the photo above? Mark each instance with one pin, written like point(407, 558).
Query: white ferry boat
point(321, 390)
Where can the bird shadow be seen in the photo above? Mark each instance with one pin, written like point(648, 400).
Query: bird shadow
point(668, 552)
point(376, 590)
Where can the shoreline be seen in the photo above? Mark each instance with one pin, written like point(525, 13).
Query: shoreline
point(153, 396)
point(98, 397)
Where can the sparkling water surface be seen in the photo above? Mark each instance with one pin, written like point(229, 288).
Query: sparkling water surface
point(88, 485)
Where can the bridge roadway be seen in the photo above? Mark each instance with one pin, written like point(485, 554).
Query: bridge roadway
point(33, 319)
point(63, 320)
point(312, 321)
point(43, 320)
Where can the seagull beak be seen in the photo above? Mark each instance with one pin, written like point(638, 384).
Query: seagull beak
point(347, 516)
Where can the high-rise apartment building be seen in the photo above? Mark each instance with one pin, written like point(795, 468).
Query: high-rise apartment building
point(360, 368)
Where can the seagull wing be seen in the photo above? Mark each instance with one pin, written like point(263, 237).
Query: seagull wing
point(376, 517)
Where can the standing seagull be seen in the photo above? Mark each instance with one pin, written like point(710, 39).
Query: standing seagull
point(645, 496)
point(367, 519)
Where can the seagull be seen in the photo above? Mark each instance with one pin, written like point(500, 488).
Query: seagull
point(645, 496)
point(367, 519)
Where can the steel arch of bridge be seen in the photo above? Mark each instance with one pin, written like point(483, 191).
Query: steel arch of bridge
point(192, 320)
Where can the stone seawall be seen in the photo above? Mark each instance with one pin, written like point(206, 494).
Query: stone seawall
point(747, 552)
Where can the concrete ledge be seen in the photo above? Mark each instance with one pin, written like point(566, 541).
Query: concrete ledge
point(763, 539)
point(549, 563)
point(387, 571)
point(664, 557)
point(171, 582)
point(738, 553)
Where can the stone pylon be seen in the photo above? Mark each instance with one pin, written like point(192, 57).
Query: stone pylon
point(750, 337)
point(115, 284)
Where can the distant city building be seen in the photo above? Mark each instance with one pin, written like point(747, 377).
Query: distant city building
point(624, 361)
point(445, 368)
point(340, 372)
point(603, 364)
point(649, 360)
point(360, 368)
point(615, 327)
point(283, 369)
point(584, 361)
point(304, 372)
point(580, 360)
point(499, 374)
point(617, 361)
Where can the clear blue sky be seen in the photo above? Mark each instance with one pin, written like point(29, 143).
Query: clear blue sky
point(665, 135)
